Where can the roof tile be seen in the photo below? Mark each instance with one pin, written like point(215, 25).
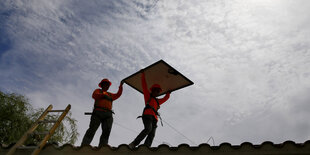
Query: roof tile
point(288, 147)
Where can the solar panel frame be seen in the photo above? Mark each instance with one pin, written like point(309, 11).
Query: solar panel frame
point(160, 73)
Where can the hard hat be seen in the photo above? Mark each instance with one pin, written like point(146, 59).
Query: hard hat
point(104, 80)
point(156, 86)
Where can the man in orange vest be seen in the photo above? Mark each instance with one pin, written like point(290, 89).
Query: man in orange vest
point(149, 116)
point(102, 113)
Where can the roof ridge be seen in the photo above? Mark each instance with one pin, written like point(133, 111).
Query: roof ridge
point(183, 145)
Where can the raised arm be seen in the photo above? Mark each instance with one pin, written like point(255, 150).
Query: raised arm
point(146, 92)
point(164, 99)
point(119, 92)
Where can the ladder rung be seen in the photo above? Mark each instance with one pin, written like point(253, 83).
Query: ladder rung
point(31, 130)
point(56, 110)
point(40, 133)
point(28, 147)
point(47, 121)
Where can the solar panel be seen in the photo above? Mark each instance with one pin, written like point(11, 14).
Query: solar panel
point(159, 73)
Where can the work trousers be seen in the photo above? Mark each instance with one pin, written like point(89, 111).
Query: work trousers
point(150, 125)
point(99, 117)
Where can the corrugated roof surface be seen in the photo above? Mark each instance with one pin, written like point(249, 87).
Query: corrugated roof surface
point(286, 148)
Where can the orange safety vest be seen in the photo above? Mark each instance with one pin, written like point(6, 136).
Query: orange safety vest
point(151, 101)
point(104, 103)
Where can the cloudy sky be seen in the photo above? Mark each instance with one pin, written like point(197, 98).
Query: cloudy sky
point(249, 60)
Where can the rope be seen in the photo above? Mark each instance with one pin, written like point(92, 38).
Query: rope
point(179, 132)
point(125, 127)
point(132, 130)
point(212, 140)
point(129, 129)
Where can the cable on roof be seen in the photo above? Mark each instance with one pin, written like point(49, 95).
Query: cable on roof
point(179, 132)
point(129, 129)
point(125, 127)
point(212, 140)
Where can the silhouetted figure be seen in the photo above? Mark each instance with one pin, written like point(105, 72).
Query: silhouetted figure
point(102, 113)
point(149, 116)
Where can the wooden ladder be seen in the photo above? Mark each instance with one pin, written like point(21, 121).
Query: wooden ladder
point(47, 134)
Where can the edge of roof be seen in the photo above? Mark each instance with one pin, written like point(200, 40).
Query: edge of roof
point(225, 146)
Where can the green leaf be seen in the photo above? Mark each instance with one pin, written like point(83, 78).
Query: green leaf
point(17, 116)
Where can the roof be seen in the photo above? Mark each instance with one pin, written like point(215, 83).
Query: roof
point(288, 147)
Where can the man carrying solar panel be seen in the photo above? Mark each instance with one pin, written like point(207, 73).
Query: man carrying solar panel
point(150, 113)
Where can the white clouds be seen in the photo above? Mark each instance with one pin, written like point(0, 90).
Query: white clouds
point(249, 61)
